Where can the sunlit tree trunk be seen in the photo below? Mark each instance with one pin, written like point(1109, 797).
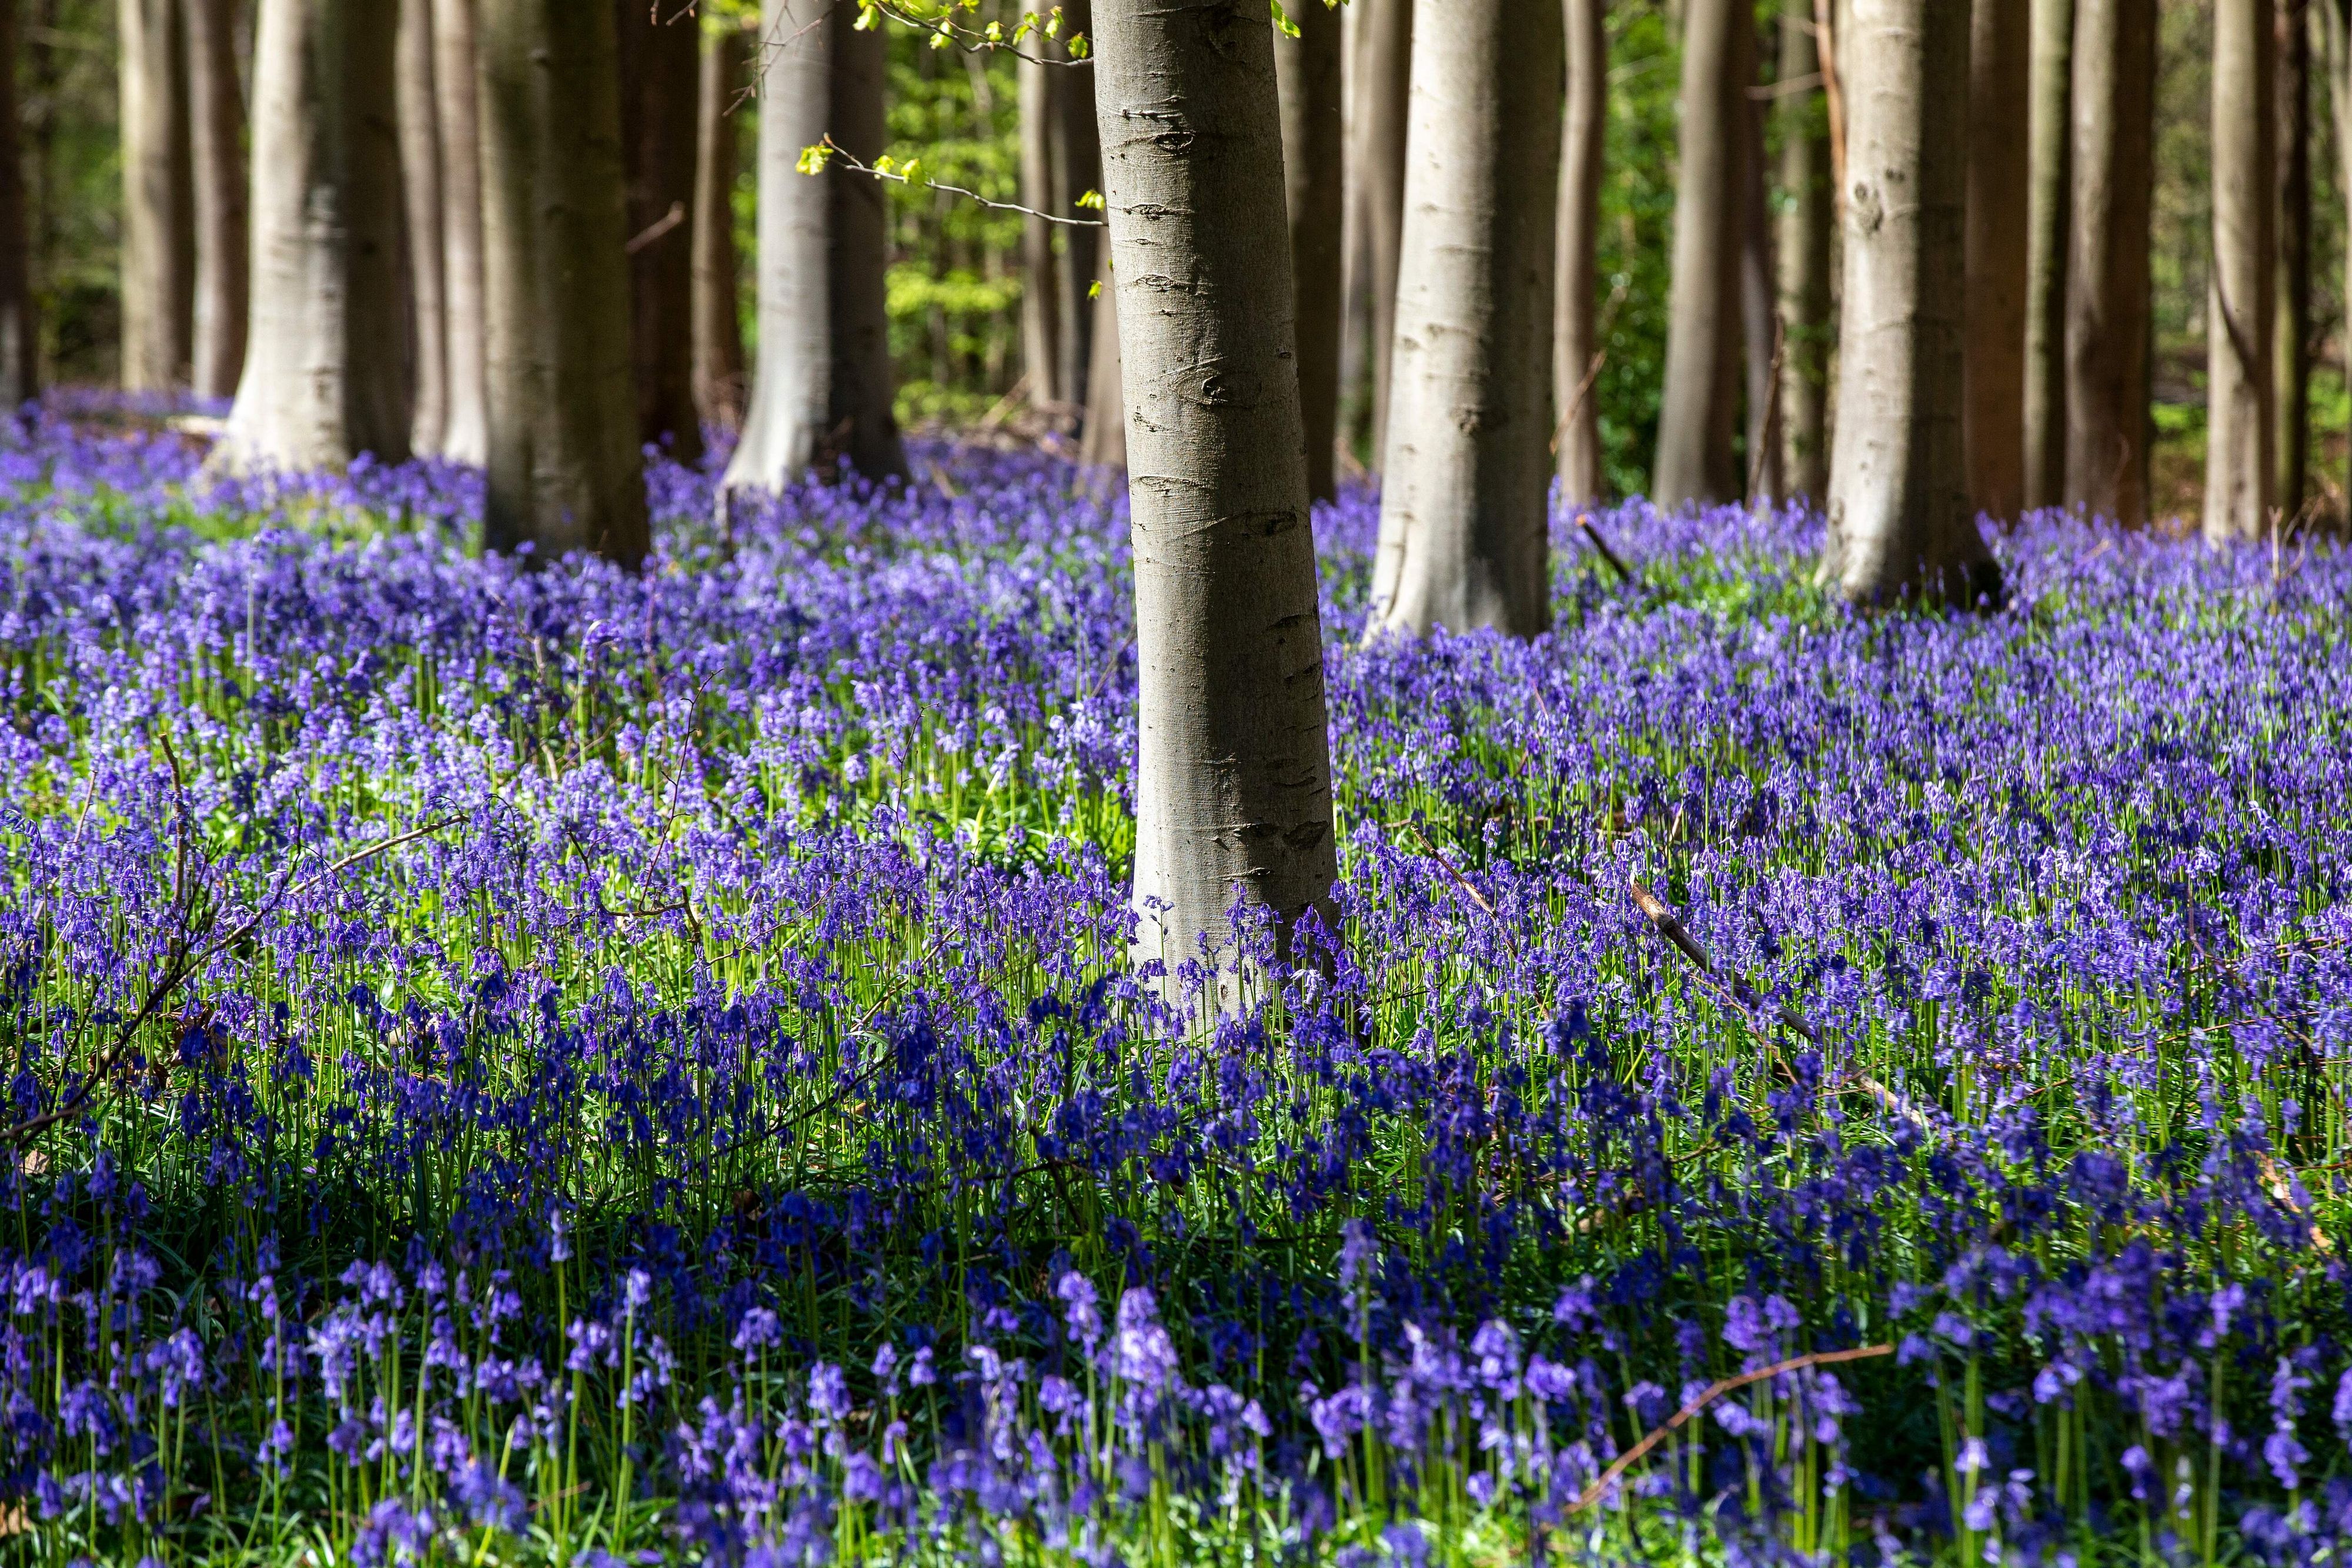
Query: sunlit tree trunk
point(1993, 422)
point(1465, 540)
point(1803, 255)
point(2290, 356)
point(1382, 90)
point(2107, 281)
point(1699, 406)
point(2048, 211)
point(2239, 453)
point(1234, 780)
point(718, 362)
point(661, 67)
point(565, 470)
point(420, 172)
point(216, 152)
point(1900, 523)
point(1307, 67)
point(1576, 341)
point(158, 198)
point(456, 86)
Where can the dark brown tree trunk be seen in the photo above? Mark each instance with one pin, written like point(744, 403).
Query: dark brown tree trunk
point(19, 330)
point(2336, 29)
point(1699, 406)
point(158, 198)
point(1804, 259)
point(1992, 424)
point(1077, 169)
point(216, 131)
point(565, 469)
point(2048, 213)
point(719, 380)
point(1307, 67)
point(1576, 343)
point(2107, 280)
point(863, 387)
point(1041, 292)
point(2290, 353)
point(2240, 453)
point(661, 70)
point(1386, 30)
point(422, 209)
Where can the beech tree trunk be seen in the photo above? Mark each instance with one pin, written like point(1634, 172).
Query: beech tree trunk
point(1699, 406)
point(565, 470)
point(1059, 164)
point(1077, 169)
point(1576, 341)
point(2048, 208)
point(216, 152)
point(19, 327)
point(457, 87)
point(1105, 445)
point(2239, 438)
point(1465, 536)
point(1803, 254)
point(1993, 422)
point(420, 172)
point(158, 198)
point(1041, 289)
point(1234, 775)
point(1759, 319)
point(2336, 29)
point(864, 390)
point(1382, 97)
point(1308, 69)
point(2290, 353)
point(326, 368)
point(2107, 284)
point(1900, 522)
point(661, 69)
point(719, 379)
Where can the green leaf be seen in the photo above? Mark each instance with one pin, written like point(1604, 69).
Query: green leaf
point(1282, 22)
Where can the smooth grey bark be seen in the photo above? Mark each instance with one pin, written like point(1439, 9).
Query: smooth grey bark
point(1233, 776)
point(1059, 164)
point(216, 155)
point(1464, 538)
point(1699, 405)
point(19, 329)
point(1803, 254)
point(1105, 445)
point(456, 86)
point(158, 197)
point(2107, 280)
point(1077, 169)
point(1041, 293)
point(1383, 95)
point(2237, 300)
point(420, 173)
point(1759, 319)
point(1307, 70)
point(718, 362)
point(1900, 523)
point(2048, 210)
point(2290, 353)
point(1576, 340)
point(565, 470)
point(326, 366)
point(661, 69)
point(1992, 420)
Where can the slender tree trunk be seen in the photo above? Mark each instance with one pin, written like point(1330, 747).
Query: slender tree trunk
point(1041, 290)
point(1699, 407)
point(1106, 439)
point(863, 389)
point(661, 65)
point(565, 470)
point(1993, 422)
point(2238, 439)
point(326, 372)
point(719, 379)
point(420, 172)
point(1077, 169)
point(1759, 319)
point(19, 329)
point(1355, 245)
point(1900, 523)
point(2336, 30)
point(2290, 353)
point(2107, 283)
point(1380, 166)
point(1465, 530)
point(158, 198)
point(456, 86)
point(1233, 776)
point(2048, 181)
point(1576, 339)
point(217, 135)
point(1307, 67)
point(1803, 254)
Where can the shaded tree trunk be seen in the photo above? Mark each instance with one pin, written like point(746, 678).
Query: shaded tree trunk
point(565, 470)
point(1382, 94)
point(1105, 445)
point(719, 379)
point(1803, 254)
point(1077, 169)
point(158, 198)
point(1465, 538)
point(326, 368)
point(19, 327)
point(2290, 352)
point(420, 172)
point(1308, 69)
point(2048, 181)
point(456, 86)
point(661, 67)
point(863, 389)
point(1233, 775)
point(2107, 284)
point(2239, 438)
point(1059, 164)
point(216, 152)
point(1759, 319)
point(1575, 340)
point(2336, 28)
point(1699, 406)
point(1992, 421)
point(1041, 290)
point(1900, 523)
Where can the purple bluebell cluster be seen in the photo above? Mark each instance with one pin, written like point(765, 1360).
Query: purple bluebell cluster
point(517, 1061)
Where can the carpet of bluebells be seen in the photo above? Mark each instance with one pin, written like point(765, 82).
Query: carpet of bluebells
point(548, 1066)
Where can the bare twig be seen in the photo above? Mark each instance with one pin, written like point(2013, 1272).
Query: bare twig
point(835, 154)
point(656, 229)
point(1591, 532)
